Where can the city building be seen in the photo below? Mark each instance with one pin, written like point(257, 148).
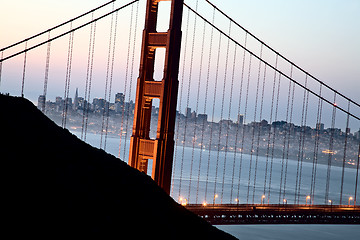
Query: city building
point(320, 127)
point(41, 102)
point(240, 119)
point(188, 112)
point(76, 100)
point(202, 118)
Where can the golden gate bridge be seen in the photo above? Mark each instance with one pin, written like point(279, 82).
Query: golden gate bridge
point(246, 154)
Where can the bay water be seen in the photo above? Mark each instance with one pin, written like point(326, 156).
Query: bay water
point(211, 176)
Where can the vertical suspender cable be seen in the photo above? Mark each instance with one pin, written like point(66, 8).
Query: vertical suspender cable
point(89, 79)
point(289, 134)
point(206, 98)
point(344, 157)
point(188, 100)
point(228, 128)
point(259, 131)
point(237, 130)
point(269, 132)
point(331, 145)
point(316, 148)
point(221, 118)
point(299, 158)
point(231, 99)
point(246, 108)
point(67, 77)
point(256, 127)
point(213, 114)
point(131, 76)
point(197, 105)
point(85, 107)
point(357, 175)
point(285, 141)
point(274, 136)
point(111, 79)
point(180, 104)
point(303, 143)
point(131, 71)
point(125, 86)
point(2, 56)
point(47, 66)
point(106, 106)
point(24, 71)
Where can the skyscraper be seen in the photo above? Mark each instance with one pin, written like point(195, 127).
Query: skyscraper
point(41, 102)
point(188, 112)
point(76, 100)
point(240, 119)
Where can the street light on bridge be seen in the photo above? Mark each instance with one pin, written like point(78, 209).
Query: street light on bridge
point(183, 201)
point(307, 198)
point(350, 198)
point(215, 196)
point(262, 198)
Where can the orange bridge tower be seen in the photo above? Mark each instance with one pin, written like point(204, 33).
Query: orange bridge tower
point(161, 149)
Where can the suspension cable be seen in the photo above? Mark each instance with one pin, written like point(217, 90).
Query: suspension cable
point(126, 83)
point(85, 107)
point(344, 158)
point(269, 132)
point(277, 53)
point(229, 115)
point(231, 99)
point(256, 127)
point(259, 132)
point(57, 26)
point(68, 78)
point(285, 141)
point(316, 148)
point(221, 117)
point(205, 105)
point(274, 136)
point(213, 115)
point(299, 157)
point(67, 32)
point(331, 145)
point(357, 175)
point(180, 103)
point(47, 66)
point(1, 57)
point(111, 79)
point(289, 134)
point(243, 126)
point(24, 70)
point(197, 105)
point(246, 108)
point(131, 73)
point(188, 99)
point(89, 79)
point(106, 107)
point(277, 70)
point(303, 155)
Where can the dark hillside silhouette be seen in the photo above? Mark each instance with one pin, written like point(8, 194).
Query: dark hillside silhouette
point(54, 184)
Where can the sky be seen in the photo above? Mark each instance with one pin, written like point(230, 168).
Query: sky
point(320, 36)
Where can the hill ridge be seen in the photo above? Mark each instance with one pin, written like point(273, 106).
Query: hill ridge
point(57, 185)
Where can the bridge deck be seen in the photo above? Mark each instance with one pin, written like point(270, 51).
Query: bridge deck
point(218, 214)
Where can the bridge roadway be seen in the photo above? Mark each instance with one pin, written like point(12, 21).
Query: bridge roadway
point(218, 214)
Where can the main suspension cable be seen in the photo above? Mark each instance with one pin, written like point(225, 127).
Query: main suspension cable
point(275, 69)
point(277, 53)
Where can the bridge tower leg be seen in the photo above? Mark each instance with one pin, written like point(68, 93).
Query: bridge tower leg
point(161, 149)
